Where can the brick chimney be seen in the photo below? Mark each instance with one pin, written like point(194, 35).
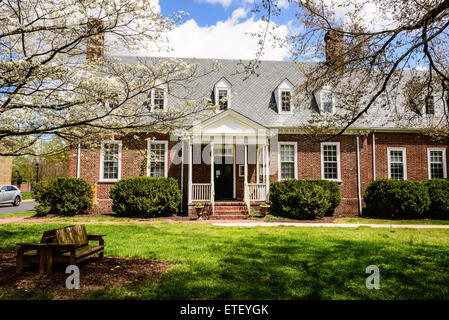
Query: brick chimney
point(334, 48)
point(95, 43)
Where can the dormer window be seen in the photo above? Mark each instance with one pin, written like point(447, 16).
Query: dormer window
point(283, 96)
point(222, 94)
point(159, 98)
point(327, 102)
point(430, 107)
point(223, 99)
point(285, 101)
point(324, 100)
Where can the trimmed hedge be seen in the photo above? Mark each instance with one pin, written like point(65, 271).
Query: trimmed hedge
point(63, 196)
point(146, 197)
point(335, 196)
point(439, 198)
point(396, 198)
point(301, 199)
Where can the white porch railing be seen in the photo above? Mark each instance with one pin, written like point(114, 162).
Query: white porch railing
point(201, 192)
point(257, 191)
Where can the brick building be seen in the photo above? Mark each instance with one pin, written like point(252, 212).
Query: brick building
point(5, 170)
point(258, 136)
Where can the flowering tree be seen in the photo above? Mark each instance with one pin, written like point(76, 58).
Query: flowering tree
point(374, 53)
point(49, 85)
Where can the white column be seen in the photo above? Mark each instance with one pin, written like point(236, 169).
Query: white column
point(190, 170)
point(257, 164)
point(212, 182)
point(246, 172)
point(267, 173)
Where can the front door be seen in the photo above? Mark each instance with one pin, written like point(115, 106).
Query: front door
point(224, 182)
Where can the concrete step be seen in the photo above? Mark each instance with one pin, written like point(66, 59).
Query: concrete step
point(228, 216)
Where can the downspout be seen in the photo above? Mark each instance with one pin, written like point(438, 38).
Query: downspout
point(78, 157)
point(359, 196)
point(182, 175)
point(374, 155)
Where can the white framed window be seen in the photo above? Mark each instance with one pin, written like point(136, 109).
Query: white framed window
point(330, 161)
point(157, 159)
point(241, 170)
point(397, 163)
point(111, 161)
point(159, 98)
point(430, 106)
point(222, 94)
point(286, 98)
point(327, 101)
point(223, 99)
point(283, 95)
point(436, 159)
point(288, 160)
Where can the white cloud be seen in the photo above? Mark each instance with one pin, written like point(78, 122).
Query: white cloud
point(224, 3)
point(230, 39)
point(370, 15)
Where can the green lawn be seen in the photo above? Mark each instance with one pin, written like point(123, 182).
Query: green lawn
point(389, 221)
point(17, 214)
point(27, 195)
point(212, 262)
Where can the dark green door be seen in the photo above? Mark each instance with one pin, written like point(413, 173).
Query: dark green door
point(224, 181)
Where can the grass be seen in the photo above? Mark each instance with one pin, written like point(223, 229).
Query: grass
point(212, 262)
point(390, 221)
point(17, 214)
point(27, 195)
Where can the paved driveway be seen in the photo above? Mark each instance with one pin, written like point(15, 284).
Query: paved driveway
point(24, 206)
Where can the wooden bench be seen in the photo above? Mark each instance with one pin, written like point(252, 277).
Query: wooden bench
point(69, 245)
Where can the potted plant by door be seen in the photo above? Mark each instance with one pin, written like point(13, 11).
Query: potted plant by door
point(264, 207)
point(199, 209)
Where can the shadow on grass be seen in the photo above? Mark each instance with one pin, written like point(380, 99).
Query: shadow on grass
point(273, 263)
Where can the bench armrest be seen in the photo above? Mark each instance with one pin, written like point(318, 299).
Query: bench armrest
point(96, 237)
point(31, 246)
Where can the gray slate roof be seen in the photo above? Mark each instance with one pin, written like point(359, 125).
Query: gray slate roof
point(254, 97)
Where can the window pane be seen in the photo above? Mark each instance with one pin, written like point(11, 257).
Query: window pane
point(159, 98)
point(326, 97)
point(287, 160)
point(396, 165)
point(287, 170)
point(285, 101)
point(430, 107)
point(330, 162)
point(287, 152)
point(223, 99)
point(110, 160)
point(157, 160)
point(436, 164)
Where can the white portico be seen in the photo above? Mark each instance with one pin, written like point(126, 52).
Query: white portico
point(235, 144)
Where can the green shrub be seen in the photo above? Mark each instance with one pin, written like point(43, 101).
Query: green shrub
point(335, 196)
point(396, 198)
point(63, 196)
point(439, 198)
point(299, 199)
point(146, 197)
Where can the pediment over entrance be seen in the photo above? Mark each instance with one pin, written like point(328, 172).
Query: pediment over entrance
point(229, 122)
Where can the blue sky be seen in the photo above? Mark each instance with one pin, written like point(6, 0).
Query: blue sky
point(220, 29)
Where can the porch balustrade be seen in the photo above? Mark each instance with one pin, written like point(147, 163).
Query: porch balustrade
point(201, 192)
point(257, 191)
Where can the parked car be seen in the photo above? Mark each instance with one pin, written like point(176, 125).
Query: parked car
point(10, 194)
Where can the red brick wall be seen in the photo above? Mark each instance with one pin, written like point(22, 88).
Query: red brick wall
point(309, 164)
